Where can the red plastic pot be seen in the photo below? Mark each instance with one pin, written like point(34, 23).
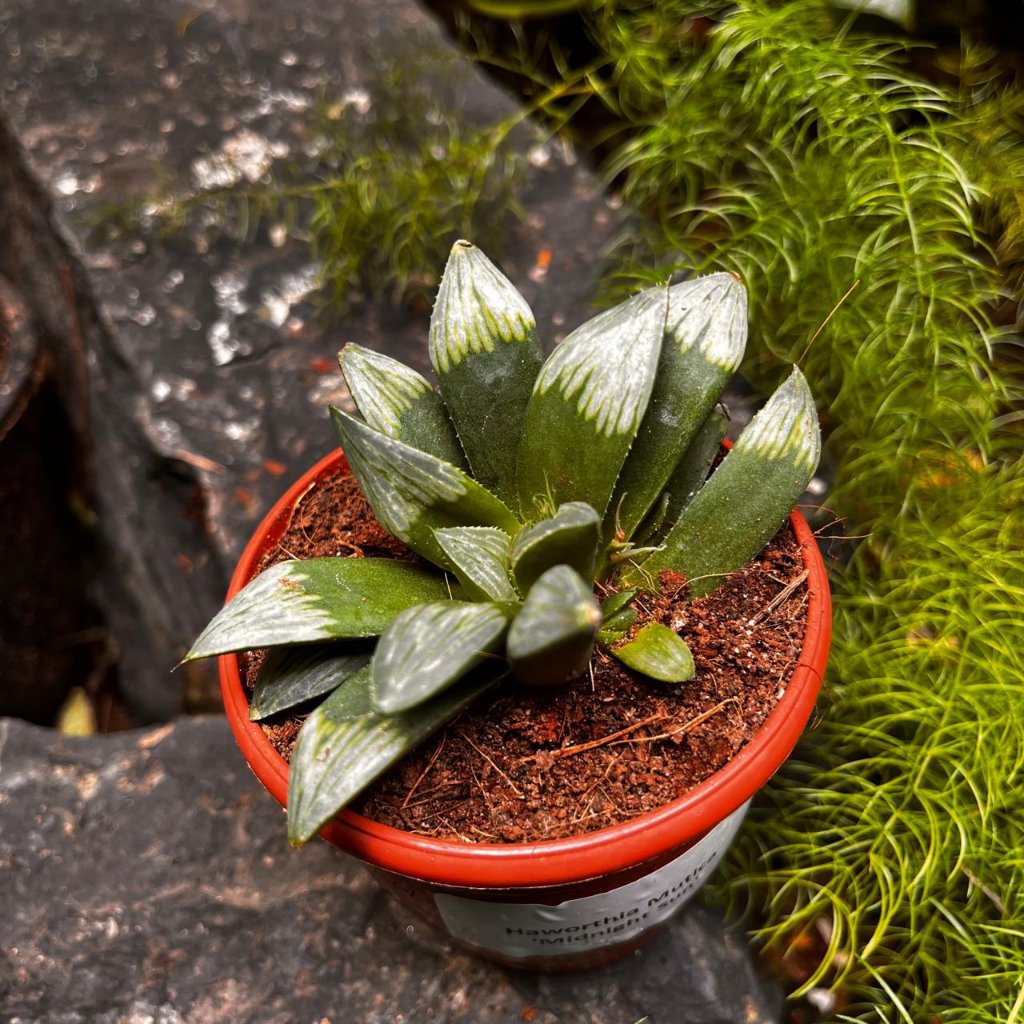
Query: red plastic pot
point(562, 904)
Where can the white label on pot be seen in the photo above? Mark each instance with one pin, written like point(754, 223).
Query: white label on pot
point(534, 929)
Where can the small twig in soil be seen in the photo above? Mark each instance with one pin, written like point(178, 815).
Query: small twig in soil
point(685, 727)
point(426, 771)
point(579, 748)
point(511, 784)
point(291, 513)
point(780, 598)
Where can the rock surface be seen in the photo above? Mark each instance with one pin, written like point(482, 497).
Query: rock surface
point(210, 372)
point(147, 881)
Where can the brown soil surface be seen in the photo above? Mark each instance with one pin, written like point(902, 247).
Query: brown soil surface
point(530, 764)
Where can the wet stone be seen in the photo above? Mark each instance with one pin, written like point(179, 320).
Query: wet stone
point(147, 881)
point(224, 369)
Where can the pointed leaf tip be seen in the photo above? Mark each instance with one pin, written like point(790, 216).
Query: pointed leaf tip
point(588, 403)
point(399, 403)
point(486, 353)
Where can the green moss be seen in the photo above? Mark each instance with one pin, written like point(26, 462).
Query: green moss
point(807, 159)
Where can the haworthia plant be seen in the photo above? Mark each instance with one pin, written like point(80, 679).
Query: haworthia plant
point(524, 487)
point(486, 353)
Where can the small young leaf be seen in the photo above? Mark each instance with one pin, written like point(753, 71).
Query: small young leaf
point(344, 745)
point(395, 400)
point(486, 353)
point(412, 493)
point(293, 675)
point(615, 627)
point(429, 647)
point(616, 603)
point(690, 473)
point(299, 601)
point(480, 556)
point(748, 496)
point(552, 638)
point(705, 335)
point(658, 652)
point(620, 621)
point(569, 537)
point(587, 406)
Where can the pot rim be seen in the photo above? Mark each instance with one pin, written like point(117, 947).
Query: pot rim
point(549, 862)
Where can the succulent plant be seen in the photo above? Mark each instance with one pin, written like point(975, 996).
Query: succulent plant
point(528, 487)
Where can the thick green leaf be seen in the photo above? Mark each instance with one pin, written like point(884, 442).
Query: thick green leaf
point(569, 537)
point(486, 353)
point(293, 675)
point(344, 745)
point(587, 406)
point(429, 647)
point(299, 601)
point(658, 652)
point(689, 475)
point(413, 493)
point(748, 496)
point(395, 400)
point(551, 640)
point(705, 335)
point(481, 557)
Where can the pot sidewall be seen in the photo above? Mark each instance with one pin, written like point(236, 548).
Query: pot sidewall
point(552, 872)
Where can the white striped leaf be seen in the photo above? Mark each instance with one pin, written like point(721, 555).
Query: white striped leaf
point(587, 406)
point(413, 493)
point(486, 353)
point(658, 652)
point(427, 648)
point(294, 675)
point(480, 557)
point(344, 745)
point(747, 498)
point(395, 400)
point(551, 638)
point(569, 537)
point(299, 601)
point(705, 335)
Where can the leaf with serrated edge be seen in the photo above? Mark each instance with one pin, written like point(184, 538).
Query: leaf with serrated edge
point(480, 558)
point(299, 601)
point(344, 745)
point(427, 648)
point(413, 493)
point(486, 353)
point(587, 405)
point(705, 335)
point(551, 639)
point(658, 652)
point(294, 675)
point(747, 498)
point(569, 537)
point(395, 400)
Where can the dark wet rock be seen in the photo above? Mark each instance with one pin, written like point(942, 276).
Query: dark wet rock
point(147, 881)
point(209, 370)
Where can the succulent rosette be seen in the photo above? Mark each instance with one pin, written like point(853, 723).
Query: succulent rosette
point(528, 487)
